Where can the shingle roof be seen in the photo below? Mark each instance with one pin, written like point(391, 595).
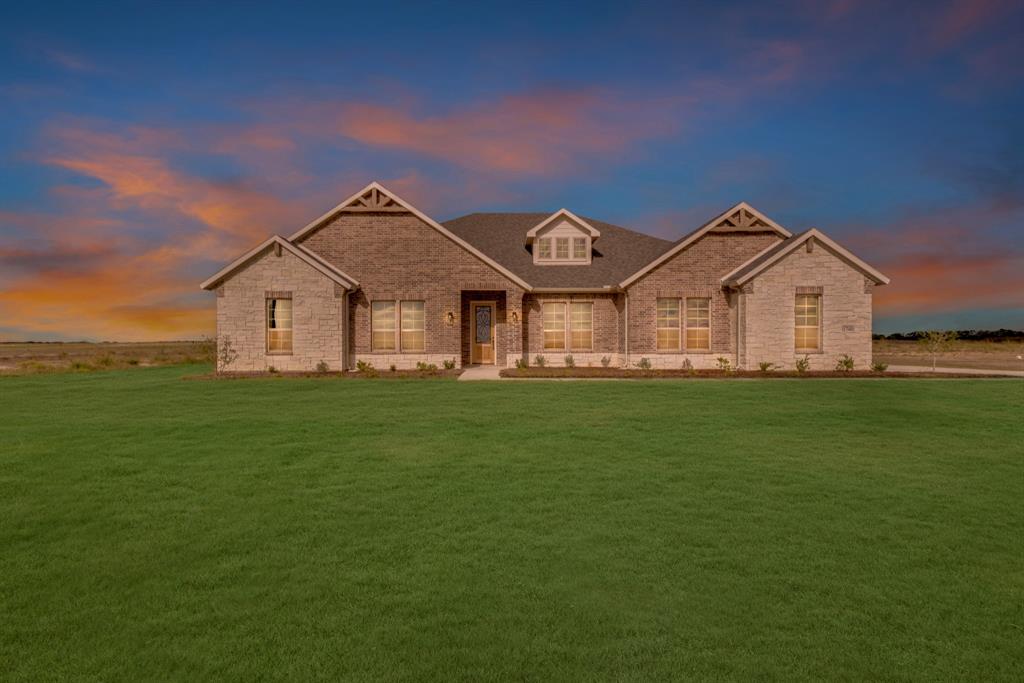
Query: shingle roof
point(502, 236)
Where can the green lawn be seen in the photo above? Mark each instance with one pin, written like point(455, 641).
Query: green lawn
point(154, 528)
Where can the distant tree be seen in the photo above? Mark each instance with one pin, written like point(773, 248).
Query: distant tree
point(935, 342)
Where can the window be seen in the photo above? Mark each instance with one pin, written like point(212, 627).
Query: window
point(698, 324)
point(581, 326)
point(668, 324)
point(545, 248)
point(412, 326)
point(279, 325)
point(808, 322)
point(554, 326)
point(382, 326)
point(562, 247)
point(579, 248)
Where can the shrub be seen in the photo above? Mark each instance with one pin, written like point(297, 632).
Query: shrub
point(133, 361)
point(844, 363)
point(425, 367)
point(449, 364)
point(644, 364)
point(879, 366)
point(522, 363)
point(766, 366)
point(606, 361)
point(272, 370)
point(322, 367)
point(570, 362)
point(366, 368)
point(79, 366)
point(540, 361)
point(392, 368)
point(226, 353)
point(803, 364)
point(723, 364)
point(105, 360)
point(687, 365)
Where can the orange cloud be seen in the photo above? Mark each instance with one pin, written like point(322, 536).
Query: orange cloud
point(934, 283)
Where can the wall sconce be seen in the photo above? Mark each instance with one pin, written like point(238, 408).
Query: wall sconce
point(515, 317)
point(450, 318)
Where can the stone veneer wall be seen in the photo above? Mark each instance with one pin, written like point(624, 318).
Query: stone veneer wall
point(317, 312)
point(767, 309)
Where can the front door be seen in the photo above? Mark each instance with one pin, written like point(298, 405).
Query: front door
point(482, 319)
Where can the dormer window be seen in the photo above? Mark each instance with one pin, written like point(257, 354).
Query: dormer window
point(562, 239)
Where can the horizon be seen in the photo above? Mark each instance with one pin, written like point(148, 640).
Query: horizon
point(143, 150)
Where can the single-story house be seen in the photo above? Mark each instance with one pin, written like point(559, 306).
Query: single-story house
point(376, 280)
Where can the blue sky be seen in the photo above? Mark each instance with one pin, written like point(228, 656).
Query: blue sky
point(143, 145)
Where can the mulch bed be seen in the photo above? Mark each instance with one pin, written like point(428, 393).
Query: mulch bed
point(630, 373)
point(378, 374)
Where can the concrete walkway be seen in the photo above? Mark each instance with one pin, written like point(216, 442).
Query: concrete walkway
point(472, 373)
point(964, 371)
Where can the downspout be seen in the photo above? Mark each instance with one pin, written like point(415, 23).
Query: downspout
point(626, 331)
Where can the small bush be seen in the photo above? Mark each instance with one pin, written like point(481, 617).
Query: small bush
point(425, 367)
point(606, 361)
point(272, 370)
point(133, 361)
point(724, 364)
point(522, 363)
point(365, 368)
point(644, 364)
point(879, 366)
point(687, 365)
point(766, 366)
point(392, 368)
point(79, 366)
point(540, 361)
point(322, 367)
point(449, 364)
point(844, 363)
point(106, 360)
point(570, 362)
point(803, 364)
point(226, 353)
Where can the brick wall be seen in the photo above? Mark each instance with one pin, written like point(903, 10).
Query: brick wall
point(694, 272)
point(768, 311)
point(606, 319)
point(397, 256)
point(317, 311)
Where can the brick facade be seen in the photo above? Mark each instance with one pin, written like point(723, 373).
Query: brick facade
point(397, 256)
point(767, 307)
point(694, 272)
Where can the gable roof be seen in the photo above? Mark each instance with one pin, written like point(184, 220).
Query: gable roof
point(370, 199)
point(500, 236)
point(305, 255)
point(740, 218)
point(562, 213)
point(775, 253)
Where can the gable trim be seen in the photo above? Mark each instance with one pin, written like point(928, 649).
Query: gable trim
point(375, 186)
point(700, 232)
point(562, 213)
point(737, 278)
point(300, 252)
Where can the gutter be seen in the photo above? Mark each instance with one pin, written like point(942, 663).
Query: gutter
point(607, 289)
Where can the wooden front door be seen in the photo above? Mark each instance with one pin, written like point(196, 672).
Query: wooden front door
point(481, 348)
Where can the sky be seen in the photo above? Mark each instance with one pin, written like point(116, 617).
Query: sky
point(145, 145)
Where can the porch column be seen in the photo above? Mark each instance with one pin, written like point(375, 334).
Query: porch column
point(513, 325)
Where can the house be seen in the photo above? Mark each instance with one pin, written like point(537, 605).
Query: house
point(376, 280)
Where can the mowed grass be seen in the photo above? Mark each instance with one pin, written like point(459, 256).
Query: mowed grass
point(154, 528)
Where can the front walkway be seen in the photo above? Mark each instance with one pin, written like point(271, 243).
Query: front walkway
point(471, 373)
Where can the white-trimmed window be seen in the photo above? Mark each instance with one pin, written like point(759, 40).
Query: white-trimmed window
point(698, 324)
point(581, 326)
point(807, 332)
point(382, 326)
point(579, 248)
point(554, 325)
point(668, 324)
point(544, 248)
point(413, 337)
point(279, 325)
point(562, 248)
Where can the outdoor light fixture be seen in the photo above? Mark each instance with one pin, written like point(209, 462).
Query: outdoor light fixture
point(515, 318)
point(450, 318)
